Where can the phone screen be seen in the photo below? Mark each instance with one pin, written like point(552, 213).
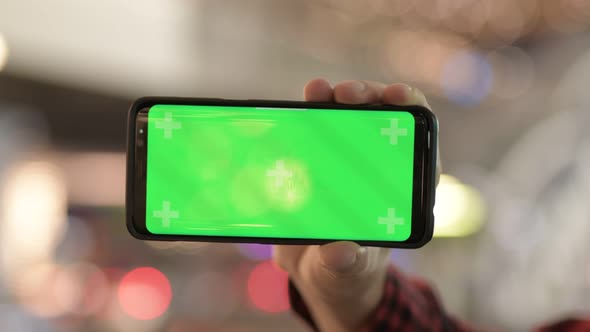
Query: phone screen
point(237, 171)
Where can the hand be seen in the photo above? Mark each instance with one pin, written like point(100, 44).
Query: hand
point(341, 282)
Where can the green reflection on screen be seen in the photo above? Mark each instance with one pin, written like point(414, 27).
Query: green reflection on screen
point(282, 173)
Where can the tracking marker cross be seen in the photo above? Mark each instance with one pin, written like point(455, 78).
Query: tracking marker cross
point(394, 131)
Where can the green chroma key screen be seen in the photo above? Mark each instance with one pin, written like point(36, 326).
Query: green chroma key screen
point(279, 173)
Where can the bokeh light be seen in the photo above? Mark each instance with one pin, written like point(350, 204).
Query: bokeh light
point(267, 288)
point(254, 251)
point(32, 206)
point(51, 290)
point(35, 290)
point(459, 210)
point(144, 293)
point(96, 292)
point(81, 289)
point(417, 55)
point(68, 288)
point(3, 52)
point(466, 78)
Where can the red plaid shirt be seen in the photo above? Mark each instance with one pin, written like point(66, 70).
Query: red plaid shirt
point(410, 304)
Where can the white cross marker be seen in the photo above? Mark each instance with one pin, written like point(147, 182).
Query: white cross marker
point(394, 131)
point(166, 214)
point(279, 173)
point(168, 124)
point(391, 221)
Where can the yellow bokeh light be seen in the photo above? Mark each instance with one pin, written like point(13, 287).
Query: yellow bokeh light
point(3, 52)
point(33, 206)
point(459, 210)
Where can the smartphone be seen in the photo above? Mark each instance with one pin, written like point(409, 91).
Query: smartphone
point(280, 172)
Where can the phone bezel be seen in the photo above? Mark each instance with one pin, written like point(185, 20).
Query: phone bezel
point(423, 188)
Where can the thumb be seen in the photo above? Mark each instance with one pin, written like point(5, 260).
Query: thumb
point(342, 258)
point(342, 270)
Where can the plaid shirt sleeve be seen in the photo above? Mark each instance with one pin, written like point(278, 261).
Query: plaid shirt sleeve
point(568, 325)
point(410, 304)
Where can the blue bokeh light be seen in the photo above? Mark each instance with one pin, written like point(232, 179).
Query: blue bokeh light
point(466, 78)
point(257, 252)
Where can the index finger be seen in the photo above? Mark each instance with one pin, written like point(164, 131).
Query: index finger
point(318, 90)
point(404, 95)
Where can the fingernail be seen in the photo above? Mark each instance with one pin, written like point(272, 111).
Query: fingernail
point(358, 86)
point(415, 96)
point(410, 94)
point(347, 261)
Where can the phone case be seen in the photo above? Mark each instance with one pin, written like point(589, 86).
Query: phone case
point(430, 171)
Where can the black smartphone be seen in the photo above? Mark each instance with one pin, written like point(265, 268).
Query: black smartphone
point(280, 172)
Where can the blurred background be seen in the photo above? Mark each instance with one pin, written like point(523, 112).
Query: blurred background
point(507, 78)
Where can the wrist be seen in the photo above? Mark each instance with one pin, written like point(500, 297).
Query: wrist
point(342, 308)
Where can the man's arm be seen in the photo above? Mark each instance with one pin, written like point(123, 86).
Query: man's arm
point(341, 282)
point(410, 304)
point(407, 304)
point(342, 287)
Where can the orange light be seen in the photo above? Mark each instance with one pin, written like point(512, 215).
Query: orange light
point(267, 288)
point(144, 293)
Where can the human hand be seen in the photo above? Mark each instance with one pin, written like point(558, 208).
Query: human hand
point(341, 282)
